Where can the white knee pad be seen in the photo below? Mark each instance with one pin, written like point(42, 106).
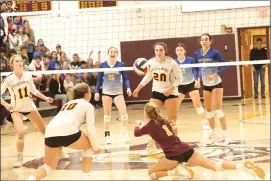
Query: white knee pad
point(124, 117)
point(107, 118)
point(200, 110)
point(218, 166)
point(48, 169)
point(20, 138)
point(219, 114)
point(87, 153)
point(209, 115)
point(153, 176)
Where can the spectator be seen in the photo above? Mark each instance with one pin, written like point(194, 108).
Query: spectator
point(56, 88)
point(14, 39)
point(65, 65)
point(76, 61)
point(83, 65)
point(18, 21)
point(3, 61)
point(37, 65)
point(3, 35)
point(25, 66)
point(9, 7)
point(23, 36)
point(63, 57)
point(54, 63)
point(31, 43)
point(58, 50)
point(68, 85)
point(23, 52)
point(46, 62)
point(258, 53)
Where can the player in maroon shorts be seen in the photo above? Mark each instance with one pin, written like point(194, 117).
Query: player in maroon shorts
point(176, 152)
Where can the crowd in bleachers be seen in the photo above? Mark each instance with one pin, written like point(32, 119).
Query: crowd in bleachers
point(17, 37)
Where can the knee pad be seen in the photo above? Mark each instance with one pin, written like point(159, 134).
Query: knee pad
point(124, 117)
point(219, 114)
point(209, 115)
point(107, 118)
point(218, 166)
point(20, 138)
point(153, 176)
point(200, 110)
point(48, 169)
point(87, 153)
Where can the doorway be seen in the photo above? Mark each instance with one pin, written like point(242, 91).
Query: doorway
point(247, 38)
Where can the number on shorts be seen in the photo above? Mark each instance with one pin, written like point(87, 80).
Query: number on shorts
point(68, 106)
point(169, 133)
point(21, 92)
point(160, 77)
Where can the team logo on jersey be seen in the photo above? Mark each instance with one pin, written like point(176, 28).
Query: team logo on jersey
point(128, 157)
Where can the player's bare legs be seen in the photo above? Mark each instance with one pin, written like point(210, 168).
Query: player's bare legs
point(218, 96)
point(198, 159)
point(107, 104)
point(151, 147)
point(165, 167)
point(19, 127)
point(172, 112)
point(121, 106)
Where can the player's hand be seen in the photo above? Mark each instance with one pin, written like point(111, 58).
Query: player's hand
point(197, 84)
point(97, 97)
point(97, 152)
point(135, 93)
point(129, 92)
point(49, 100)
point(168, 91)
point(212, 77)
point(9, 107)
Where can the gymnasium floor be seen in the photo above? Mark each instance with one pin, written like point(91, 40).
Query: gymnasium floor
point(248, 125)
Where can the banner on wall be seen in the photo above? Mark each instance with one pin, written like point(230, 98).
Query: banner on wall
point(96, 4)
point(29, 6)
point(190, 6)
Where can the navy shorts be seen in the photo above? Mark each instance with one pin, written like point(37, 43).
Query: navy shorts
point(57, 141)
point(184, 89)
point(211, 88)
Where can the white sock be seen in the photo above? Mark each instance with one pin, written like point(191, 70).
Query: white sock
point(20, 155)
point(225, 132)
point(240, 166)
point(171, 173)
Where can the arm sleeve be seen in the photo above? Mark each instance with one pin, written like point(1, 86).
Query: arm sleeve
point(147, 78)
point(141, 131)
point(177, 74)
point(125, 78)
point(33, 89)
point(91, 130)
point(99, 81)
point(196, 69)
point(219, 58)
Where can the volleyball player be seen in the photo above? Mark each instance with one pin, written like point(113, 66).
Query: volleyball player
point(112, 90)
point(20, 86)
point(63, 131)
point(176, 152)
point(212, 90)
point(166, 76)
point(190, 82)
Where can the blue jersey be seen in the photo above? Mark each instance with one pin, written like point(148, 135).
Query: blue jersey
point(211, 56)
point(111, 80)
point(189, 74)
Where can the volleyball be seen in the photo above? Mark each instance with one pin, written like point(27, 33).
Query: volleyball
point(140, 66)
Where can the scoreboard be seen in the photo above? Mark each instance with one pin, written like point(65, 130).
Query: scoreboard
point(28, 6)
point(96, 4)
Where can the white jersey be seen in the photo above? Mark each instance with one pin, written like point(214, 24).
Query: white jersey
point(20, 89)
point(70, 117)
point(164, 75)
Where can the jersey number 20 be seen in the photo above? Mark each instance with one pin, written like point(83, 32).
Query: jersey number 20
point(160, 77)
point(68, 106)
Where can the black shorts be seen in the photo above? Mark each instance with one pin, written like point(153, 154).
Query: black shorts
point(161, 96)
point(112, 96)
point(211, 88)
point(184, 89)
point(57, 141)
point(23, 113)
point(184, 157)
